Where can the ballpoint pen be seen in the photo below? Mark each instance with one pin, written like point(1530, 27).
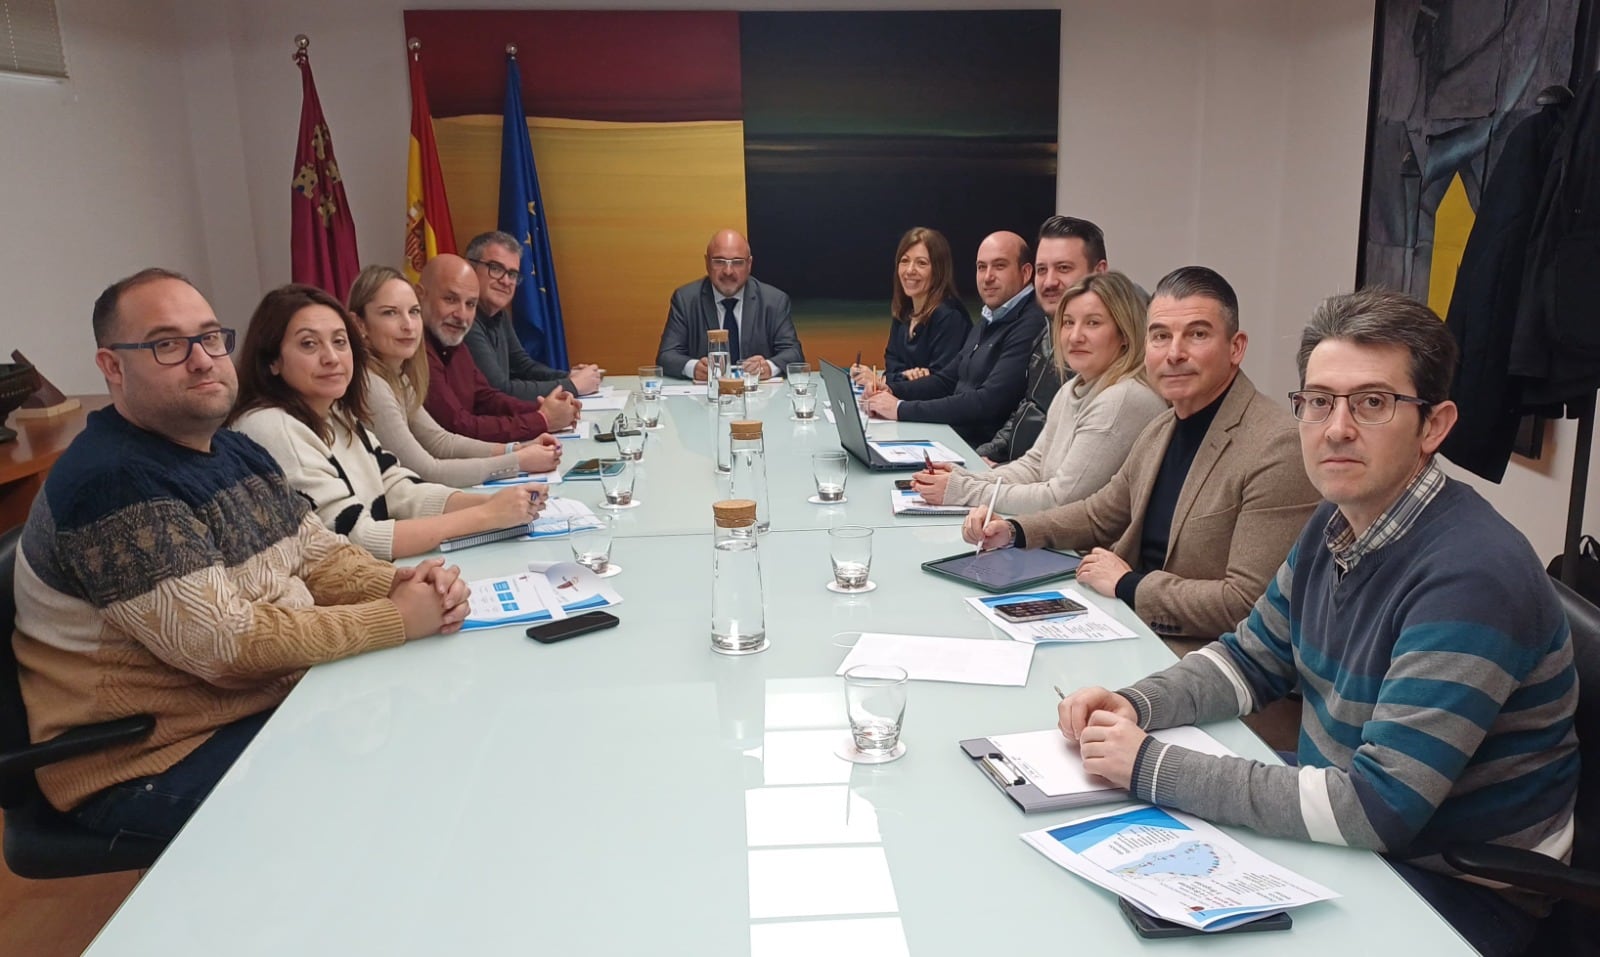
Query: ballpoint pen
point(1059, 693)
point(988, 514)
point(927, 460)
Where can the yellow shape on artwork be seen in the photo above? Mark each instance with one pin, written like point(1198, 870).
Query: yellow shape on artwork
point(1452, 223)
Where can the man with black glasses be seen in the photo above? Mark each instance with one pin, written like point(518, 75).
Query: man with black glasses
point(1434, 655)
point(496, 258)
point(168, 569)
point(761, 336)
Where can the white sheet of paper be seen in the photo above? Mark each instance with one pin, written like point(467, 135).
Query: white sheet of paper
point(581, 429)
point(612, 402)
point(1095, 624)
point(557, 512)
point(684, 389)
point(1053, 765)
point(973, 661)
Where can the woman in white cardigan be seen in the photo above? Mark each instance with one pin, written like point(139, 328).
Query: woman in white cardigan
point(385, 309)
point(300, 398)
point(1093, 421)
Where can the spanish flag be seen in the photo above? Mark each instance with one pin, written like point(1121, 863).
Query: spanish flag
point(428, 231)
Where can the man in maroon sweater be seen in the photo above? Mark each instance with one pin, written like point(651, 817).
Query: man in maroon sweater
point(459, 398)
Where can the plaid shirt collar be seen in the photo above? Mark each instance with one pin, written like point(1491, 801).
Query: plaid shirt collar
point(1348, 549)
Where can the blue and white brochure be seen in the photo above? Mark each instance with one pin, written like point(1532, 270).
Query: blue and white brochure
point(1175, 867)
point(549, 591)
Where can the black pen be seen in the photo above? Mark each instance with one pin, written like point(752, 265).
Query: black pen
point(1059, 693)
point(858, 357)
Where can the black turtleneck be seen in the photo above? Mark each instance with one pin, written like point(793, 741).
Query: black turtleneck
point(1187, 437)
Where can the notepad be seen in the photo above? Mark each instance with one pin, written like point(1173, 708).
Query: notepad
point(1053, 765)
point(908, 502)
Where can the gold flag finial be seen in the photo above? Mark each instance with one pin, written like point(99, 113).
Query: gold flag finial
point(511, 50)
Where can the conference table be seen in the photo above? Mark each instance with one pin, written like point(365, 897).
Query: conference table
point(632, 792)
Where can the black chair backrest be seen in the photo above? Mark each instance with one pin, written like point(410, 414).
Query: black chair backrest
point(13, 718)
point(1584, 618)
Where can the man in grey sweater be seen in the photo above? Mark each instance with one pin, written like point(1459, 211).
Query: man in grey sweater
point(497, 259)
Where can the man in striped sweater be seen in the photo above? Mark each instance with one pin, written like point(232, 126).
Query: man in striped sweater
point(168, 569)
point(1432, 652)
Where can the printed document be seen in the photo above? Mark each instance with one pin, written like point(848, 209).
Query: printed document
point(910, 451)
point(548, 591)
point(553, 519)
point(1095, 624)
point(973, 661)
point(908, 502)
point(1175, 867)
point(521, 478)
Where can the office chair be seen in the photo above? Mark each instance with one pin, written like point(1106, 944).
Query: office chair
point(41, 842)
point(1573, 927)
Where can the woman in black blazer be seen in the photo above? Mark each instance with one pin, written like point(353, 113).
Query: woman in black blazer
point(929, 322)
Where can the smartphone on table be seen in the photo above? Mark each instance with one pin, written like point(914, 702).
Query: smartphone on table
point(551, 632)
point(1039, 609)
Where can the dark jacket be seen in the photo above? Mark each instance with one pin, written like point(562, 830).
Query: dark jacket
point(1556, 345)
point(936, 347)
point(990, 378)
point(1483, 306)
point(502, 360)
point(1019, 433)
point(766, 329)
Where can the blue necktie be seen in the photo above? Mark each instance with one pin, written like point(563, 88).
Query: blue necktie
point(732, 325)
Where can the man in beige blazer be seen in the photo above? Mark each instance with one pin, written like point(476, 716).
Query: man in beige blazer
point(1191, 528)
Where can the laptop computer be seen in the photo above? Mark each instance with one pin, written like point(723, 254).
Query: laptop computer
point(852, 431)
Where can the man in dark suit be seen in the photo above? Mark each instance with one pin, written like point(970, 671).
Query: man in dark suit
point(761, 333)
point(991, 377)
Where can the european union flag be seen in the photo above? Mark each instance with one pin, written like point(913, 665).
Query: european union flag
point(536, 308)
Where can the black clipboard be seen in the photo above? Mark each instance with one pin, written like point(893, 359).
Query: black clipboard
point(1024, 793)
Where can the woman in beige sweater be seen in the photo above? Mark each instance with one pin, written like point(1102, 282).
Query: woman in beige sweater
point(385, 308)
point(1089, 428)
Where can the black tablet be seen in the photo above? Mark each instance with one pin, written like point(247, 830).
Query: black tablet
point(1006, 569)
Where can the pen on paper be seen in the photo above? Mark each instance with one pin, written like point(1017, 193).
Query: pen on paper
point(988, 514)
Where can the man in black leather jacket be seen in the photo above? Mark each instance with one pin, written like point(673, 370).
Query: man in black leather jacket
point(1069, 249)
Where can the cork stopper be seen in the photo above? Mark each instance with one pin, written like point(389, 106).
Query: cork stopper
point(717, 335)
point(734, 513)
point(744, 429)
point(730, 387)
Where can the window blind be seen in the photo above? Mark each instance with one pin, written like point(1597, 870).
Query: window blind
point(30, 38)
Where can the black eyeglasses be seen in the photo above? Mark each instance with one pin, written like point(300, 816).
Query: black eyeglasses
point(175, 350)
point(498, 272)
point(1367, 408)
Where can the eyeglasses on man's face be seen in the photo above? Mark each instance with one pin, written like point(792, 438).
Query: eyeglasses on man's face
point(174, 350)
point(498, 272)
point(1367, 408)
point(721, 263)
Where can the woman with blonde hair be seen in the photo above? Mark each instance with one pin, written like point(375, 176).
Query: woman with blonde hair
point(301, 398)
point(1099, 332)
point(929, 322)
point(386, 312)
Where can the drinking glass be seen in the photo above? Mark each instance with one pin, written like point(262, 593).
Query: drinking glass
point(798, 375)
point(616, 480)
point(752, 380)
point(650, 381)
point(875, 700)
point(591, 545)
point(649, 408)
point(850, 548)
point(803, 404)
point(630, 441)
point(829, 470)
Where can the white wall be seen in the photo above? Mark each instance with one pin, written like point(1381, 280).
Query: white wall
point(1223, 132)
point(98, 181)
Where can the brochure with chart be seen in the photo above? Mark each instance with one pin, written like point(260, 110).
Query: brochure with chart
point(1175, 867)
point(547, 592)
point(908, 502)
point(521, 478)
point(1095, 624)
point(557, 513)
point(911, 451)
